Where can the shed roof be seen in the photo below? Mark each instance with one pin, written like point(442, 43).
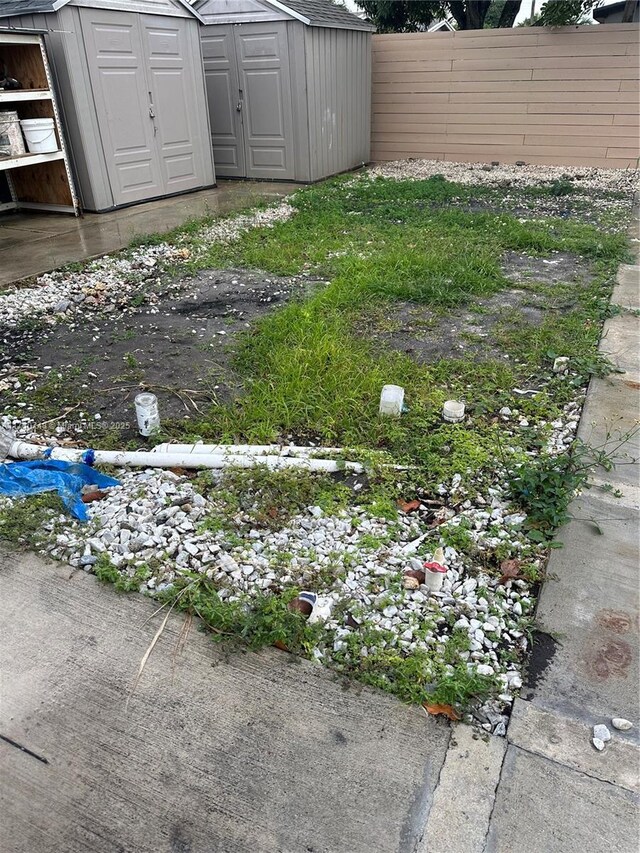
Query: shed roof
point(322, 13)
point(312, 13)
point(10, 8)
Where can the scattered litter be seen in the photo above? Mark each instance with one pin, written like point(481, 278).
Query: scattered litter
point(409, 506)
point(442, 710)
point(303, 603)
point(322, 608)
point(392, 400)
point(453, 411)
point(18, 479)
point(435, 571)
point(93, 495)
point(413, 578)
point(351, 622)
point(621, 724)
point(147, 413)
point(561, 364)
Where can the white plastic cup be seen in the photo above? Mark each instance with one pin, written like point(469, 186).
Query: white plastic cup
point(147, 413)
point(434, 575)
point(453, 411)
point(40, 134)
point(391, 400)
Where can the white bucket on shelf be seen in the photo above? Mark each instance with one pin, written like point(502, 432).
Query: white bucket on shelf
point(40, 134)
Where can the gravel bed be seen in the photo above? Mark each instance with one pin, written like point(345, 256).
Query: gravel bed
point(113, 281)
point(355, 563)
point(607, 180)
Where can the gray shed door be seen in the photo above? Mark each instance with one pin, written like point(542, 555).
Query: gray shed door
point(223, 96)
point(249, 90)
point(171, 84)
point(143, 94)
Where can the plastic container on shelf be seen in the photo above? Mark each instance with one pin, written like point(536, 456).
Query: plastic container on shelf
point(11, 141)
point(40, 134)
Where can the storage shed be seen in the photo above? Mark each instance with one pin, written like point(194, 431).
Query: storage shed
point(289, 87)
point(130, 85)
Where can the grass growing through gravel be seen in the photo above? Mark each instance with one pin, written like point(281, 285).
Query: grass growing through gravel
point(311, 374)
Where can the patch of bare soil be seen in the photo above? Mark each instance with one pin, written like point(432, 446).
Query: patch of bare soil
point(183, 351)
point(427, 335)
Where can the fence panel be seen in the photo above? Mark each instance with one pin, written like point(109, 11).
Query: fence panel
point(568, 96)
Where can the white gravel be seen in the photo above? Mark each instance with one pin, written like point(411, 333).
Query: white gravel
point(154, 521)
point(610, 180)
point(356, 563)
point(114, 280)
point(228, 230)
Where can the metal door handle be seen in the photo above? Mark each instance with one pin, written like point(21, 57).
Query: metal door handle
point(151, 113)
point(239, 106)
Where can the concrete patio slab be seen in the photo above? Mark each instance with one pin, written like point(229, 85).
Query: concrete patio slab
point(57, 239)
point(628, 289)
point(463, 801)
point(544, 806)
point(215, 752)
point(611, 414)
point(567, 741)
point(618, 343)
point(589, 605)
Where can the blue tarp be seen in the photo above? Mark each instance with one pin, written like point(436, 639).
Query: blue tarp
point(18, 479)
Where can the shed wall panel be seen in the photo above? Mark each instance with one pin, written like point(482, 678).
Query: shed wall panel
point(80, 113)
point(298, 68)
point(339, 98)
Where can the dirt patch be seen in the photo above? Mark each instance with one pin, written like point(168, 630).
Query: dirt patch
point(182, 348)
point(561, 268)
point(427, 335)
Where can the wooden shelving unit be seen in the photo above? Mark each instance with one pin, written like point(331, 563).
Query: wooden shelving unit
point(29, 160)
point(36, 181)
point(17, 95)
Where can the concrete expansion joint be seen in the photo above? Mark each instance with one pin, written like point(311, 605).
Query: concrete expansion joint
point(565, 766)
point(417, 847)
point(495, 796)
point(464, 797)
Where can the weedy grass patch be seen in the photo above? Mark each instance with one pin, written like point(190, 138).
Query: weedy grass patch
point(307, 372)
point(310, 373)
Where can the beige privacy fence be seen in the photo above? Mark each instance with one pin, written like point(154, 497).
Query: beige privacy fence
point(566, 96)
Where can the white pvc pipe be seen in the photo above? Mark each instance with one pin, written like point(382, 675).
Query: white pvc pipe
point(245, 449)
point(150, 459)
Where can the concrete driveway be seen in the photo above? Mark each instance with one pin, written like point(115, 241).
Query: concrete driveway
point(216, 751)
